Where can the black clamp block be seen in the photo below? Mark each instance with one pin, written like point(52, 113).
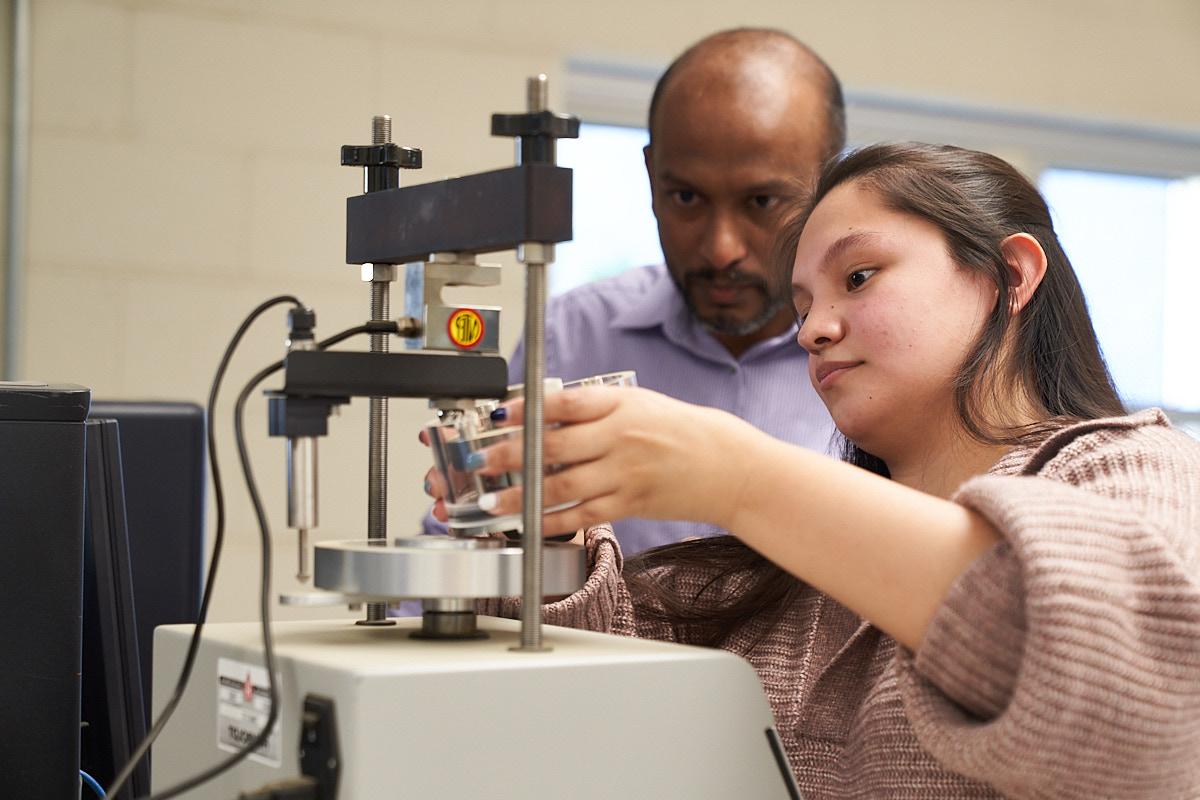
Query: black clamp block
point(301, 323)
point(300, 416)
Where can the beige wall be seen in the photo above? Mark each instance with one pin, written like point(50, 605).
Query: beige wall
point(185, 163)
point(6, 22)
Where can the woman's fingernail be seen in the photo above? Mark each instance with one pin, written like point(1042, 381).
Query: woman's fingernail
point(499, 414)
point(428, 486)
point(476, 459)
point(487, 502)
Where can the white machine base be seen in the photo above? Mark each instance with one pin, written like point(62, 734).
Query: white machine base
point(596, 716)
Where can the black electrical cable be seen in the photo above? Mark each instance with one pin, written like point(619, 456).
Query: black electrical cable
point(265, 578)
point(264, 605)
point(218, 542)
point(265, 543)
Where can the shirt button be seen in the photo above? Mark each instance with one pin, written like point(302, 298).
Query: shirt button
point(733, 369)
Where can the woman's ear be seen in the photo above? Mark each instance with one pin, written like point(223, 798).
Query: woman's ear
point(1026, 262)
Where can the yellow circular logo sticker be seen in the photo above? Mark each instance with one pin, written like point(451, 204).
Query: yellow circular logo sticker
point(465, 328)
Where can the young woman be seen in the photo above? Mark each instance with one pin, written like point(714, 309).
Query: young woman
point(1006, 600)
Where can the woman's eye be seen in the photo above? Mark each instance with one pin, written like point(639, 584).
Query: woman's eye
point(857, 278)
point(685, 197)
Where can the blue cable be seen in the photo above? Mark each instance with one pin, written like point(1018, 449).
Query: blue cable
point(92, 783)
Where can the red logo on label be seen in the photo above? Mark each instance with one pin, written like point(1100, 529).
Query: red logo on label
point(247, 689)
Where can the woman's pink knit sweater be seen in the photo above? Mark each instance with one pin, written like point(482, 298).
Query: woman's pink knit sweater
point(1064, 663)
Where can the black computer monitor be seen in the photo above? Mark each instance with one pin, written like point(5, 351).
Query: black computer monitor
point(146, 478)
point(112, 704)
point(164, 461)
point(41, 571)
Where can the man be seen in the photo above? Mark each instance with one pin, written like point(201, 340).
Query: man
point(735, 123)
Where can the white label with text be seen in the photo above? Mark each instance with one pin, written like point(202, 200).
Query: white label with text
point(243, 705)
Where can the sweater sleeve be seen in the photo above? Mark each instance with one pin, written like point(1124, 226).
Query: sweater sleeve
point(1066, 661)
point(604, 602)
point(601, 605)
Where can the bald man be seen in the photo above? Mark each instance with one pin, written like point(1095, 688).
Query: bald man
point(735, 122)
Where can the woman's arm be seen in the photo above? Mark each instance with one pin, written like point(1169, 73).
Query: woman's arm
point(1066, 661)
point(885, 551)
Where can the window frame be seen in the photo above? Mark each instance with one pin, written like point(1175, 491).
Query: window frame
point(615, 93)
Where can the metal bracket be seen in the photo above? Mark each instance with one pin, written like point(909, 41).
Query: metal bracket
point(459, 328)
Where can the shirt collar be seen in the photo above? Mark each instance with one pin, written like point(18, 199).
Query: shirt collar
point(659, 303)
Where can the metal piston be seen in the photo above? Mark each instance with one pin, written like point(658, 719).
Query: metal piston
point(448, 618)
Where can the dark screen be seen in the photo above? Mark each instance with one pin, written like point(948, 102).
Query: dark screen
point(112, 708)
point(143, 565)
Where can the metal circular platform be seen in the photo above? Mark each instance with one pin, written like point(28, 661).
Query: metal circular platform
point(436, 566)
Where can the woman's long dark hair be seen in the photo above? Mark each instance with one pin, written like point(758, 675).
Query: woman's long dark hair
point(1047, 352)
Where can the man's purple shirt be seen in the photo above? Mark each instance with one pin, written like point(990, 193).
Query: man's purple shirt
point(638, 320)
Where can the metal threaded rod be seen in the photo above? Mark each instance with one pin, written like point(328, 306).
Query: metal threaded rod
point(535, 256)
point(377, 455)
point(531, 511)
point(381, 129)
point(537, 93)
point(378, 443)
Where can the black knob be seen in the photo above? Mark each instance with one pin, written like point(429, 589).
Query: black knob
point(536, 123)
point(381, 155)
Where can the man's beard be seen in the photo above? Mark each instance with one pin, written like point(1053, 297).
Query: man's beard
point(719, 322)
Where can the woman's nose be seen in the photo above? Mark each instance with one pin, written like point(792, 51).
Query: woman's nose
point(822, 326)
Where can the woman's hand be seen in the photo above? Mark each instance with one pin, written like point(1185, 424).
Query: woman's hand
point(624, 452)
point(435, 486)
